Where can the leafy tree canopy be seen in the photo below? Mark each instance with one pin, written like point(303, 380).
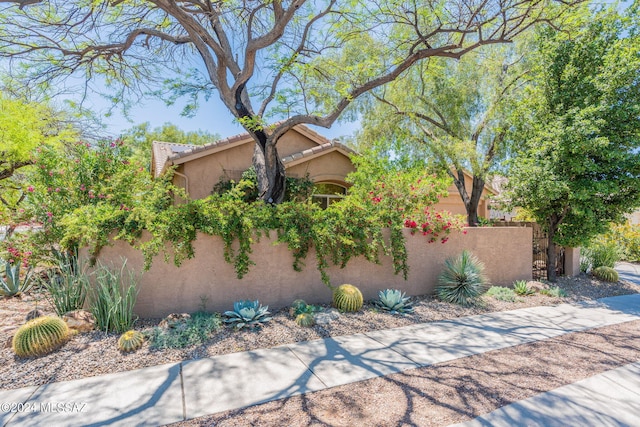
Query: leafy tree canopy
point(579, 130)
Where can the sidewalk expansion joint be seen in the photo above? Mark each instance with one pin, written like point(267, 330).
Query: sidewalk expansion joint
point(184, 399)
point(308, 368)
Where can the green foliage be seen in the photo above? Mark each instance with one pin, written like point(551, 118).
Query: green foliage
point(606, 274)
point(580, 165)
point(297, 307)
point(626, 238)
point(130, 341)
point(521, 288)
point(305, 320)
point(554, 292)
point(347, 298)
point(113, 298)
point(393, 301)
point(194, 331)
point(67, 285)
point(461, 281)
point(501, 293)
point(10, 282)
point(296, 189)
point(40, 336)
point(601, 253)
point(247, 313)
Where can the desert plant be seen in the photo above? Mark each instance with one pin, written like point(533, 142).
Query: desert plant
point(195, 331)
point(10, 283)
point(393, 301)
point(130, 341)
point(347, 298)
point(461, 280)
point(247, 313)
point(606, 274)
point(554, 291)
point(501, 293)
point(297, 307)
point(305, 320)
point(67, 285)
point(600, 254)
point(113, 300)
point(521, 288)
point(40, 336)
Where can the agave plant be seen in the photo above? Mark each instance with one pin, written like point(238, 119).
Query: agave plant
point(11, 284)
point(520, 287)
point(247, 313)
point(461, 281)
point(393, 301)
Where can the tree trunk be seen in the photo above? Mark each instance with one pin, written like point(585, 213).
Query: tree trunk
point(551, 253)
point(270, 171)
point(472, 203)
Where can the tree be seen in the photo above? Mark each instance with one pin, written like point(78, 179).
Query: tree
point(452, 115)
point(579, 166)
point(24, 127)
point(140, 138)
point(264, 58)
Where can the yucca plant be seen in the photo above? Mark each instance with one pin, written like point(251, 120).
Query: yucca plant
point(10, 283)
point(67, 285)
point(521, 288)
point(394, 301)
point(113, 298)
point(462, 280)
point(247, 313)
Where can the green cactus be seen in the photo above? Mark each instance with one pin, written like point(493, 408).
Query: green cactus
point(305, 320)
point(347, 298)
point(297, 307)
point(11, 284)
point(606, 274)
point(40, 336)
point(130, 341)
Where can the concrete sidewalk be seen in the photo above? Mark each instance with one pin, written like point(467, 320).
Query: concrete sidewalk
point(629, 272)
point(175, 392)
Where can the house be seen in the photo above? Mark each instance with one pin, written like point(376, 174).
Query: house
point(304, 153)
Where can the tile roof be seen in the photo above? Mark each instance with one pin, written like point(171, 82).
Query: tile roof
point(315, 150)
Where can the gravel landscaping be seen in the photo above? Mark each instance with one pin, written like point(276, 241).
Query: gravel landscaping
point(96, 353)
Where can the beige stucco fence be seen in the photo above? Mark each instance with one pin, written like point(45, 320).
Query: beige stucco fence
point(165, 288)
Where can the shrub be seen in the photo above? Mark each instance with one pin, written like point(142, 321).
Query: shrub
point(247, 313)
point(461, 280)
point(554, 291)
point(393, 301)
point(347, 298)
point(130, 341)
point(67, 285)
point(606, 274)
point(520, 287)
point(113, 298)
point(627, 238)
point(195, 331)
point(501, 293)
point(40, 336)
point(305, 320)
point(10, 283)
point(600, 254)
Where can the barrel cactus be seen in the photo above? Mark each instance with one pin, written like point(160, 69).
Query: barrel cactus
point(347, 298)
point(606, 274)
point(297, 307)
point(130, 341)
point(40, 336)
point(305, 320)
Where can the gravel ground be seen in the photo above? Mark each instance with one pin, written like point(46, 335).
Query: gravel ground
point(449, 392)
point(96, 353)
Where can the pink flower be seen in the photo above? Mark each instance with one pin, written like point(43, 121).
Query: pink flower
point(112, 145)
point(49, 214)
point(57, 189)
point(30, 189)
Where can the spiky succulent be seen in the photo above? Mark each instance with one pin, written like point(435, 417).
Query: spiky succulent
point(40, 336)
point(10, 283)
point(297, 307)
point(347, 298)
point(130, 341)
point(521, 288)
point(305, 320)
point(606, 274)
point(393, 301)
point(461, 281)
point(247, 313)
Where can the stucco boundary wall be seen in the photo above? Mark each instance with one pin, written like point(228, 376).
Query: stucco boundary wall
point(505, 251)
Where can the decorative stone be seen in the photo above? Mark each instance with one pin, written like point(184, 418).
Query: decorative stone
point(33, 314)
point(175, 321)
point(326, 316)
point(80, 320)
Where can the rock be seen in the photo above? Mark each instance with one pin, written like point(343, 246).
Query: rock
point(34, 314)
point(9, 342)
point(326, 316)
point(175, 321)
point(80, 320)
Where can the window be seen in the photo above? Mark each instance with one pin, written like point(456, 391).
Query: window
point(325, 194)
